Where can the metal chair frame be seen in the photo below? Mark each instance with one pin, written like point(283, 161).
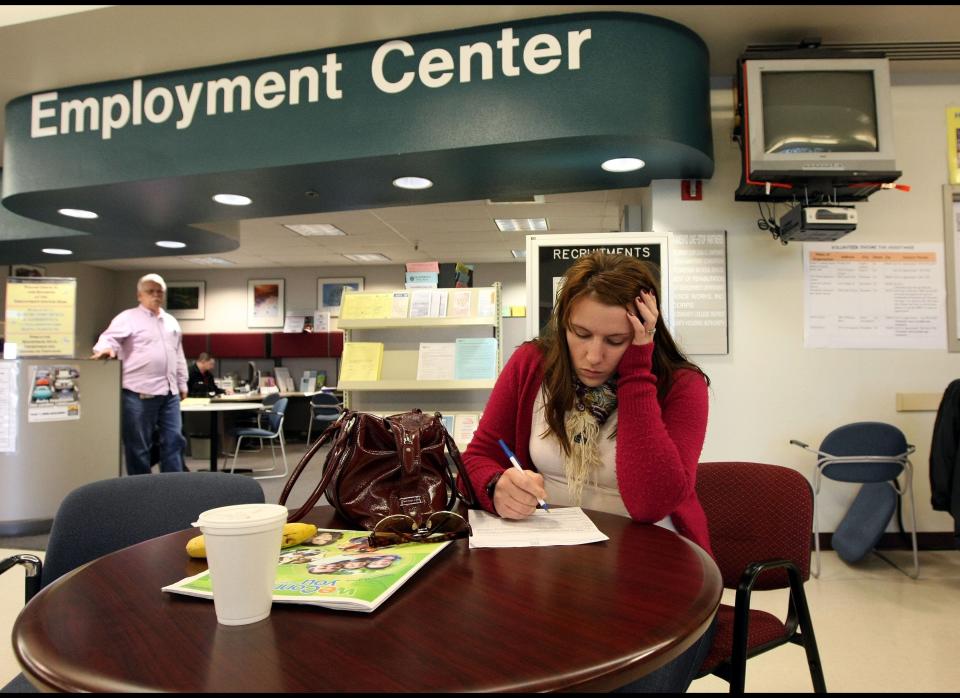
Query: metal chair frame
point(274, 438)
point(827, 459)
point(315, 408)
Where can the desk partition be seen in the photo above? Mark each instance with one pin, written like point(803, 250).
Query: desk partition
point(59, 429)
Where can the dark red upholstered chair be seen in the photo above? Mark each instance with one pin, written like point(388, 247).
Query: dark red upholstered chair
point(760, 518)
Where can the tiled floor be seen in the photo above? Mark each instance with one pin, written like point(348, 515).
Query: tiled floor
point(878, 630)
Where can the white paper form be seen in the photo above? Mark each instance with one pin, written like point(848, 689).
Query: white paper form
point(559, 526)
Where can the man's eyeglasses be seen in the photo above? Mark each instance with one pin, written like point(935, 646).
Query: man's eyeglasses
point(153, 291)
point(400, 528)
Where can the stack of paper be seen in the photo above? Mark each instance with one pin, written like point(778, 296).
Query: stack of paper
point(284, 379)
point(422, 274)
point(436, 361)
point(559, 526)
point(476, 359)
point(361, 361)
point(366, 306)
point(428, 303)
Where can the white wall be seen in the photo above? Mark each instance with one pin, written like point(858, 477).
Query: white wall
point(769, 389)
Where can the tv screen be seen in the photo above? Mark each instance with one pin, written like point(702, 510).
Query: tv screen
point(817, 117)
point(819, 112)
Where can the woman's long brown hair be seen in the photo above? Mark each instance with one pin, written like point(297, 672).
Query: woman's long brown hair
point(611, 279)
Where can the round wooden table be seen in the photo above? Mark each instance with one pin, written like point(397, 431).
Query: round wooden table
point(584, 617)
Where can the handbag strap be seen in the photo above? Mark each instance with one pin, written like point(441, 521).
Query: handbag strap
point(340, 428)
point(468, 496)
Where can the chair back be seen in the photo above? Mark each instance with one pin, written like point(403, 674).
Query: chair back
point(756, 512)
point(324, 400)
point(105, 516)
point(275, 414)
point(864, 439)
point(270, 399)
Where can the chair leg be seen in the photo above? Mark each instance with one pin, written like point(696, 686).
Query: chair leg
point(815, 568)
point(283, 454)
point(807, 637)
point(309, 429)
point(913, 532)
point(236, 452)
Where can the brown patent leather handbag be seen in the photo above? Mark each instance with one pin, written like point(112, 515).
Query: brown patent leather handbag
point(380, 466)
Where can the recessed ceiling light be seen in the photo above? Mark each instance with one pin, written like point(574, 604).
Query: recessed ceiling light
point(412, 183)
point(233, 199)
point(515, 225)
point(77, 213)
point(170, 244)
point(623, 164)
point(315, 230)
point(371, 257)
point(216, 261)
point(56, 250)
point(519, 254)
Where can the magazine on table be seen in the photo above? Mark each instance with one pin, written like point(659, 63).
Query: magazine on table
point(336, 569)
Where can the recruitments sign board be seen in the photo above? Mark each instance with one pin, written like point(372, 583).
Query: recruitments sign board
point(549, 256)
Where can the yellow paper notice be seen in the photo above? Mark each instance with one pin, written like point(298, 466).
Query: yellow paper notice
point(366, 306)
point(361, 361)
point(41, 315)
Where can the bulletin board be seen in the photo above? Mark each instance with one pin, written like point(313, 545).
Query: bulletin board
point(951, 245)
point(549, 256)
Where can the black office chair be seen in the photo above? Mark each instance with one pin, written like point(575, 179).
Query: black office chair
point(325, 408)
point(102, 517)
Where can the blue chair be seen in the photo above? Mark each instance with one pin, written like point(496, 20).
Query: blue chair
point(872, 453)
point(325, 408)
point(272, 430)
point(102, 517)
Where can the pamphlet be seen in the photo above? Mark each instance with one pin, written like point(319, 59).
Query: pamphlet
point(436, 360)
point(337, 570)
point(476, 358)
point(361, 361)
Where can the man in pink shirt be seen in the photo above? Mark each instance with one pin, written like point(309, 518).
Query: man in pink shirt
point(148, 341)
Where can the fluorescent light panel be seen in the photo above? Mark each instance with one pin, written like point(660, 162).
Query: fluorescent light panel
point(368, 257)
point(516, 225)
point(315, 230)
point(216, 261)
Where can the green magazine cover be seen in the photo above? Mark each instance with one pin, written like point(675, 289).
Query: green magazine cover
point(336, 569)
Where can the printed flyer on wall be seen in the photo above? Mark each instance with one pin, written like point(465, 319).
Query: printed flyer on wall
point(337, 570)
point(54, 394)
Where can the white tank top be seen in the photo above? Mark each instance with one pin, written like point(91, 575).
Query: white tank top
point(548, 456)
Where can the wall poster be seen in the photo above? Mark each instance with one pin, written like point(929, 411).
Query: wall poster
point(549, 256)
point(41, 315)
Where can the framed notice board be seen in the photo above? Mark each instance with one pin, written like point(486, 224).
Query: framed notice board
point(549, 256)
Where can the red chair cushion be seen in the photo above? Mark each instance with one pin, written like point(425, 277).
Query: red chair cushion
point(763, 628)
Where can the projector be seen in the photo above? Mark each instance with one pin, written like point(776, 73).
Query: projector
point(817, 223)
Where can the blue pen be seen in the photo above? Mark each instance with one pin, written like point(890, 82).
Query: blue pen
point(516, 464)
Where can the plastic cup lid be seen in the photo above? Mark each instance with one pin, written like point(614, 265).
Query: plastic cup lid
point(242, 516)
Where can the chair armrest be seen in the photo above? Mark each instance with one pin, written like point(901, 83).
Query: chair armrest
point(33, 567)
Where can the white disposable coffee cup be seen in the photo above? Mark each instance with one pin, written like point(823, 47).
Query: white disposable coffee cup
point(243, 546)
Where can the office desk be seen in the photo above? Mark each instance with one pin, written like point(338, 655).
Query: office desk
point(587, 617)
point(215, 407)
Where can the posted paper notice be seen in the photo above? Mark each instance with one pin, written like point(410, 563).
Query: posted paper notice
point(874, 296)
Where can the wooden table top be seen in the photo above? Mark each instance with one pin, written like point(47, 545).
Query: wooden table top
point(586, 617)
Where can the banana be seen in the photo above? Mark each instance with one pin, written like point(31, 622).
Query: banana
point(293, 534)
point(296, 533)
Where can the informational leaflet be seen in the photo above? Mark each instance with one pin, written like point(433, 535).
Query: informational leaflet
point(54, 394)
point(435, 361)
point(559, 526)
point(361, 361)
point(41, 315)
point(476, 358)
point(874, 296)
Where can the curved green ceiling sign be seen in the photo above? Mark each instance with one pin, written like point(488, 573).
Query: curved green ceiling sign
point(495, 111)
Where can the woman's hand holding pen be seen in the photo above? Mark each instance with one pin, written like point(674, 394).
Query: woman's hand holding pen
point(516, 494)
point(643, 318)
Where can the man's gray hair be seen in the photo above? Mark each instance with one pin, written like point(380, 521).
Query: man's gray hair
point(155, 278)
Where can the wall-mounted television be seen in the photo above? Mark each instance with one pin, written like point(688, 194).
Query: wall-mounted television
point(819, 117)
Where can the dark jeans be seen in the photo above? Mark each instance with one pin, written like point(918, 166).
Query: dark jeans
point(141, 418)
point(676, 676)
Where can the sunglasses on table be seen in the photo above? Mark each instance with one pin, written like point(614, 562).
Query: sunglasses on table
point(400, 528)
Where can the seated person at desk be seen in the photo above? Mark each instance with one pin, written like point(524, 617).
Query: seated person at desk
point(200, 382)
point(605, 412)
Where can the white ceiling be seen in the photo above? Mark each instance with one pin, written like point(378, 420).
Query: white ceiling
point(115, 42)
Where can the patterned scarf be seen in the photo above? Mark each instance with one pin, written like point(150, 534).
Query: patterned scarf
point(591, 410)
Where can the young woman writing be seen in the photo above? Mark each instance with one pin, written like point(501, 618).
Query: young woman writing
point(606, 413)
